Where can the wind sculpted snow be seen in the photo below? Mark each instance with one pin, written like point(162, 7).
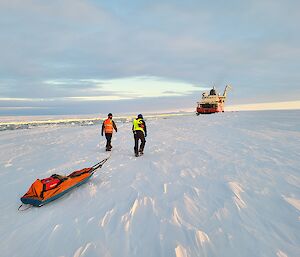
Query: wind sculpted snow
point(217, 185)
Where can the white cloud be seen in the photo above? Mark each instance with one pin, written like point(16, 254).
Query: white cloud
point(129, 88)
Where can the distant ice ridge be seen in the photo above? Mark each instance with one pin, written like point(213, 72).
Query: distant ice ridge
point(33, 124)
point(29, 124)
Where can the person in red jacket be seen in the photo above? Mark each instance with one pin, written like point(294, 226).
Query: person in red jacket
point(107, 127)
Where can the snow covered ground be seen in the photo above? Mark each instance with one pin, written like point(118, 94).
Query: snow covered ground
point(215, 185)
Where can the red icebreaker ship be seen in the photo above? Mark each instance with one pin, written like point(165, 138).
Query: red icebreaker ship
point(212, 102)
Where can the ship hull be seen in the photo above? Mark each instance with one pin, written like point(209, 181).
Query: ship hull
point(209, 110)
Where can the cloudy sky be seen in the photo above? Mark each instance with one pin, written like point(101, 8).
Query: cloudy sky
point(97, 56)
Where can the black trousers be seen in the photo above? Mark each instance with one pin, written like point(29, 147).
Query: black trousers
point(108, 137)
point(139, 135)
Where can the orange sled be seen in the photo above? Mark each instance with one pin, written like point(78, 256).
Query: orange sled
point(46, 190)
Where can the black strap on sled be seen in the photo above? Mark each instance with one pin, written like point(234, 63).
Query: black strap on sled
point(98, 165)
point(24, 207)
point(90, 170)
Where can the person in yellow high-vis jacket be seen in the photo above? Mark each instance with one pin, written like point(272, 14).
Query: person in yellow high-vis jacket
point(107, 127)
point(140, 132)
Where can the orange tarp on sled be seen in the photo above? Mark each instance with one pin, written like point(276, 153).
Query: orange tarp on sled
point(43, 191)
point(36, 190)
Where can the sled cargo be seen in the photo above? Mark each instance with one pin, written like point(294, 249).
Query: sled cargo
point(43, 191)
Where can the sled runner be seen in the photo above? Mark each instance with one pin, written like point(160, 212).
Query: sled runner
point(46, 190)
